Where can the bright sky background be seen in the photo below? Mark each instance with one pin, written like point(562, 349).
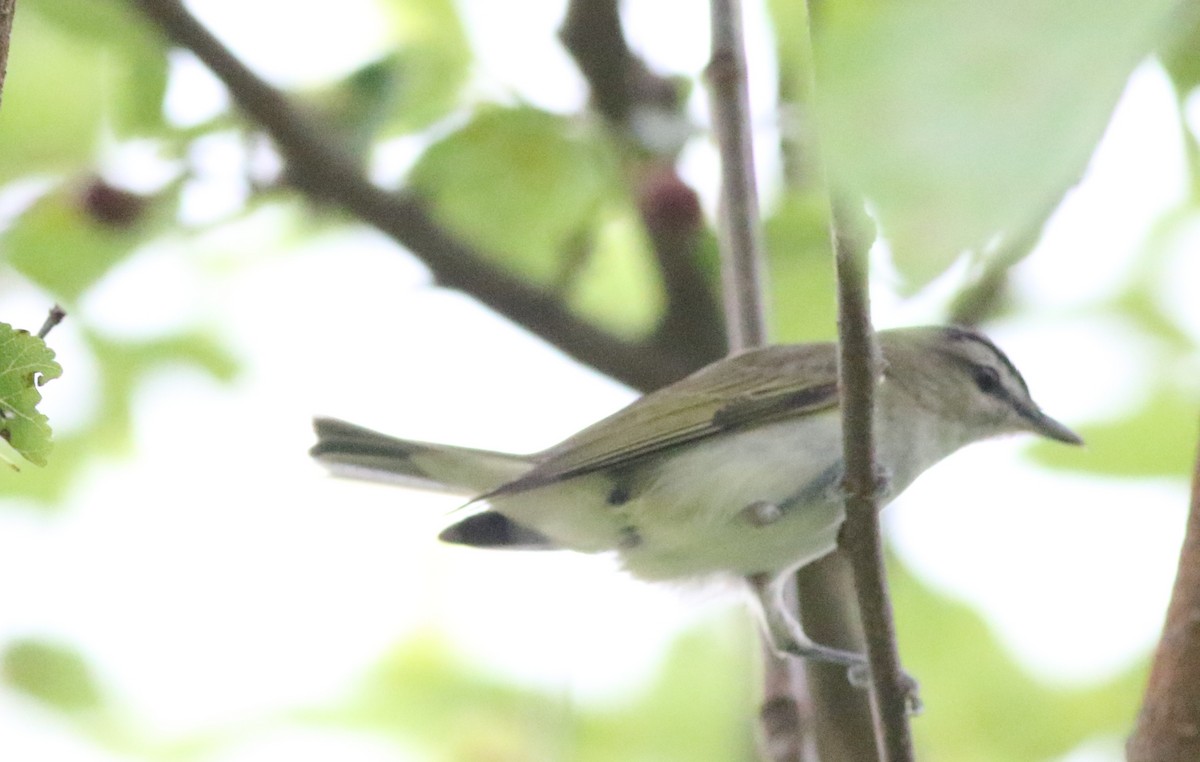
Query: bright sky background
point(143, 572)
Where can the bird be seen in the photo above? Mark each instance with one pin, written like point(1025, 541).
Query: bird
point(735, 469)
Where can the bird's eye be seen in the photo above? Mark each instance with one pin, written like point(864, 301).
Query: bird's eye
point(986, 378)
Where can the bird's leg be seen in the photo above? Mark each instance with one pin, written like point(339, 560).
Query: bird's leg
point(787, 637)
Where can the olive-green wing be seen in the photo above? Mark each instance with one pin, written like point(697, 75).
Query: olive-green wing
point(750, 389)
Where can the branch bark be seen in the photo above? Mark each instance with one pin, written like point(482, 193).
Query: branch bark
point(1168, 726)
point(858, 371)
point(8, 9)
point(621, 82)
point(319, 167)
point(622, 87)
point(783, 720)
point(739, 224)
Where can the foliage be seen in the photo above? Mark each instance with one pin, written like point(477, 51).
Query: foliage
point(964, 123)
point(25, 364)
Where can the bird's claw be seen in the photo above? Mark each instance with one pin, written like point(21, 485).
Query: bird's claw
point(859, 676)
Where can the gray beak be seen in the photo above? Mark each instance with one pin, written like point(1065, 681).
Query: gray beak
point(1048, 427)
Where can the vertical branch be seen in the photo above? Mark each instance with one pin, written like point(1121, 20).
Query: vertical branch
point(8, 9)
point(745, 311)
point(741, 242)
point(858, 371)
point(1168, 726)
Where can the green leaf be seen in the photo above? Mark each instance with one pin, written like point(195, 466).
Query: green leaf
point(54, 101)
point(52, 674)
point(972, 720)
point(518, 183)
point(62, 246)
point(1178, 55)
point(423, 695)
point(617, 286)
point(127, 54)
point(803, 297)
point(962, 119)
point(25, 364)
point(121, 368)
point(432, 62)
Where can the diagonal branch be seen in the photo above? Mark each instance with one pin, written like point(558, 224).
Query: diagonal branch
point(621, 83)
point(319, 167)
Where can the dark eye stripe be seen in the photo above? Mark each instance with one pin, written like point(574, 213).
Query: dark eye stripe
point(963, 334)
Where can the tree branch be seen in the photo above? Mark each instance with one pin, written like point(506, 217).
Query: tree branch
point(740, 227)
point(858, 371)
point(8, 9)
point(1168, 726)
point(841, 712)
point(622, 87)
point(322, 169)
point(783, 722)
point(620, 81)
point(671, 214)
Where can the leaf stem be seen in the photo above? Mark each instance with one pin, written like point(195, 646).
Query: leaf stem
point(57, 313)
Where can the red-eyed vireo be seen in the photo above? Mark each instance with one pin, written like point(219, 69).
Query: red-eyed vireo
point(735, 469)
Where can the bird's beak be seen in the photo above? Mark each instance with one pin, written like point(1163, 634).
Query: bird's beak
point(1048, 427)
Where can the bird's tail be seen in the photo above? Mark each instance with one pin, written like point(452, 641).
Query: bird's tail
point(358, 452)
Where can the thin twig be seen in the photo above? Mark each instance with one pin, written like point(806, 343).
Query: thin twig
point(741, 238)
point(1168, 726)
point(322, 169)
point(858, 371)
point(780, 718)
point(55, 317)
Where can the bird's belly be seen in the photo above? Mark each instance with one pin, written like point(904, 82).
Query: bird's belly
point(761, 500)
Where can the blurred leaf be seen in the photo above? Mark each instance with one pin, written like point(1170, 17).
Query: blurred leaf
point(1178, 54)
point(519, 183)
point(617, 287)
point(129, 55)
point(962, 119)
point(1157, 439)
point(431, 63)
point(63, 246)
point(687, 714)
point(803, 297)
point(54, 101)
point(75, 67)
point(358, 106)
point(25, 364)
point(52, 674)
point(423, 694)
point(980, 705)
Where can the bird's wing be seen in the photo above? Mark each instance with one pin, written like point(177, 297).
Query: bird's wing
point(751, 389)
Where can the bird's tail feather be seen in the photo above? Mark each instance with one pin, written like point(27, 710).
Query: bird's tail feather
point(362, 453)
